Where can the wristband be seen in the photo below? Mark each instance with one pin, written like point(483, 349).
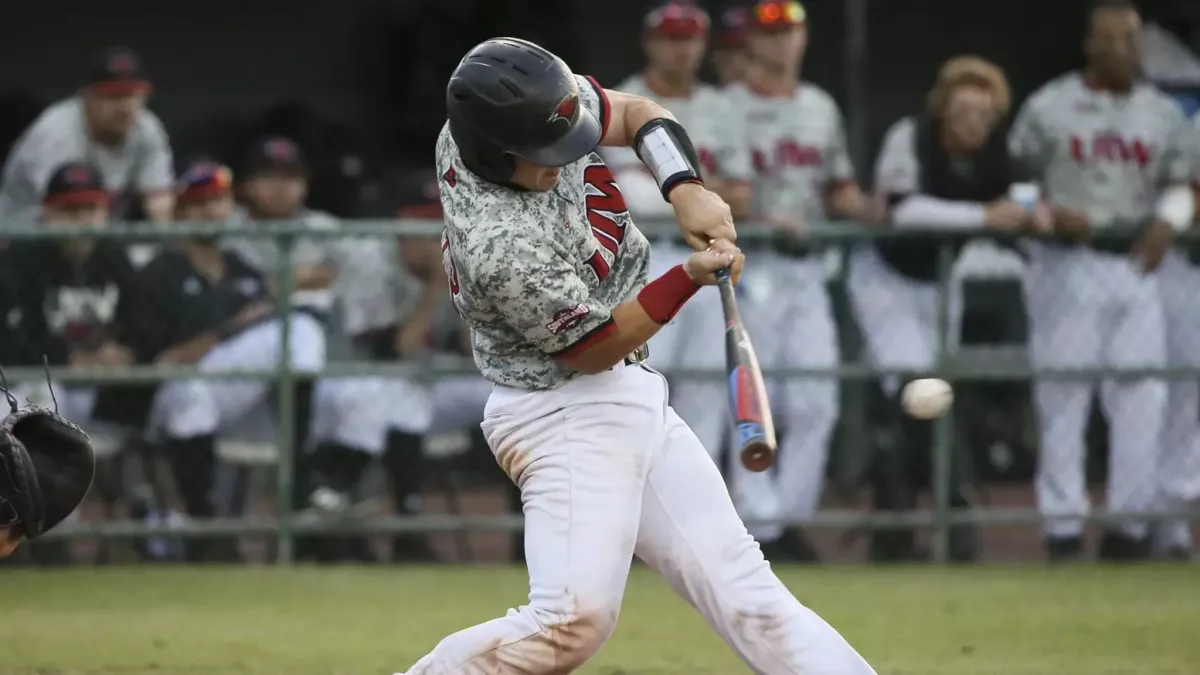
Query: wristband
point(665, 149)
point(1176, 207)
point(663, 297)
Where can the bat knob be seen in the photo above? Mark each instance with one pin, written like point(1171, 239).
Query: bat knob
point(758, 457)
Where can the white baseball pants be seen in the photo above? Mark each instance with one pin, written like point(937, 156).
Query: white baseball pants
point(694, 339)
point(607, 471)
point(199, 407)
point(1090, 309)
point(1179, 459)
point(786, 308)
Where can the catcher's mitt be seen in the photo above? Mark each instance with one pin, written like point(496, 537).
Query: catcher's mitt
point(46, 467)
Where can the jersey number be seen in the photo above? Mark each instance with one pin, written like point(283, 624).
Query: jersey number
point(607, 214)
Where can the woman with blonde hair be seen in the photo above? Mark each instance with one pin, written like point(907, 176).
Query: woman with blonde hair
point(946, 169)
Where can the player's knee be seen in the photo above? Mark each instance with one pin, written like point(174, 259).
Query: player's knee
point(573, 637)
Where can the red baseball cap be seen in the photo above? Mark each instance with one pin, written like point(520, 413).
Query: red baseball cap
point(204, 180)
point(678, 19)
point(777, 14)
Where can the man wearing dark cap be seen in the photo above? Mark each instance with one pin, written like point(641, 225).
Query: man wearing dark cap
point(674, 38)
point(105, 124)
point(213, 309)
point(729, 49)
point(274, 186)
point(72, 299)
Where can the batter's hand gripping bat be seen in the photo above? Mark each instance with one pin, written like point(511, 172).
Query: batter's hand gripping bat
point(747, 392)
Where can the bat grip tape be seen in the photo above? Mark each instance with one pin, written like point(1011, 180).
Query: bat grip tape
point(664, 297)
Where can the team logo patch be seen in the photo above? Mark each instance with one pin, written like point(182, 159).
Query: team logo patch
point(566, 109)
point(566, 319)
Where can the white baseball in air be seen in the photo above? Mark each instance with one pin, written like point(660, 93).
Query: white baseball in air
point(927, 398)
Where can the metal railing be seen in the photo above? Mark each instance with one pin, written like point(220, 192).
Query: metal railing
point(289, 522)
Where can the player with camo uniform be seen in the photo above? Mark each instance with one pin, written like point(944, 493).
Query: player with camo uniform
point(674, 37)
point(1109, 151)
point(803, 177)
point(1179, 465)
point(550, 272)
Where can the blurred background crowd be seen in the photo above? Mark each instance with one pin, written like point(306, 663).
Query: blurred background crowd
point(919, 114)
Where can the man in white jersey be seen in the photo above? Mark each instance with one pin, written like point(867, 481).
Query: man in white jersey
point(107, 125)
point(803, 176)
point(1179, 463)
point(674, 36)
point(548, 269)
point(1109, 151)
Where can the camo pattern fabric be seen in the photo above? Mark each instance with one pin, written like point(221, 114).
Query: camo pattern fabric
point(537, 274)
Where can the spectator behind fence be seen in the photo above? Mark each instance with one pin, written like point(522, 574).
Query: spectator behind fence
point(107, 125)
point(674, 36)
point(72, 301)
point(729, 49)
point(947, 168)
point(1104, 144)
point(207, 306)
point(396, 307)
point(1180, 465)
point(803, 177)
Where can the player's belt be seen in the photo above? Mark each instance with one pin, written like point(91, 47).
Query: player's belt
point(638, 356)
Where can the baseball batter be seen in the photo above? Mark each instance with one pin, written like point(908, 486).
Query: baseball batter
point(674, 37)
point(548, 269)
point(106, 125)
point(1109, 150)
point(803, 175)
point(1179, 464)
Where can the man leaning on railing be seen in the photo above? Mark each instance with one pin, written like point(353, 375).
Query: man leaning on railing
point(947, 168)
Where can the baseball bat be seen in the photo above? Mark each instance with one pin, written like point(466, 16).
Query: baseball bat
point(747, 391)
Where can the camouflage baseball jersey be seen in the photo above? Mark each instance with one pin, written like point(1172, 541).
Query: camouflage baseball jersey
point(706, 114)
point(798, 149)
point(535, 274)
point(1105, 155)
point(59, 136)
point(1195, 146)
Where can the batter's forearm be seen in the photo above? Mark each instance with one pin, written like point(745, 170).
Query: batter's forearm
point(628, 115)
point(634, 322)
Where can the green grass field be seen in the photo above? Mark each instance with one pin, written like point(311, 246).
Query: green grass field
point(906, 621)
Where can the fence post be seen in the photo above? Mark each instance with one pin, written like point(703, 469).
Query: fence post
point(943, 427)
point(286, 440)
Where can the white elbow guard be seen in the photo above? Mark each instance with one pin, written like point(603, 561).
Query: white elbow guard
point(1177, 207)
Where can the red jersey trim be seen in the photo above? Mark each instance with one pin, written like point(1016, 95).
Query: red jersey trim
point(605, 106)
point(589, 339)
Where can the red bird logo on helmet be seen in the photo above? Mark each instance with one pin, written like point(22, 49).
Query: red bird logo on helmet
point(566, 109)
